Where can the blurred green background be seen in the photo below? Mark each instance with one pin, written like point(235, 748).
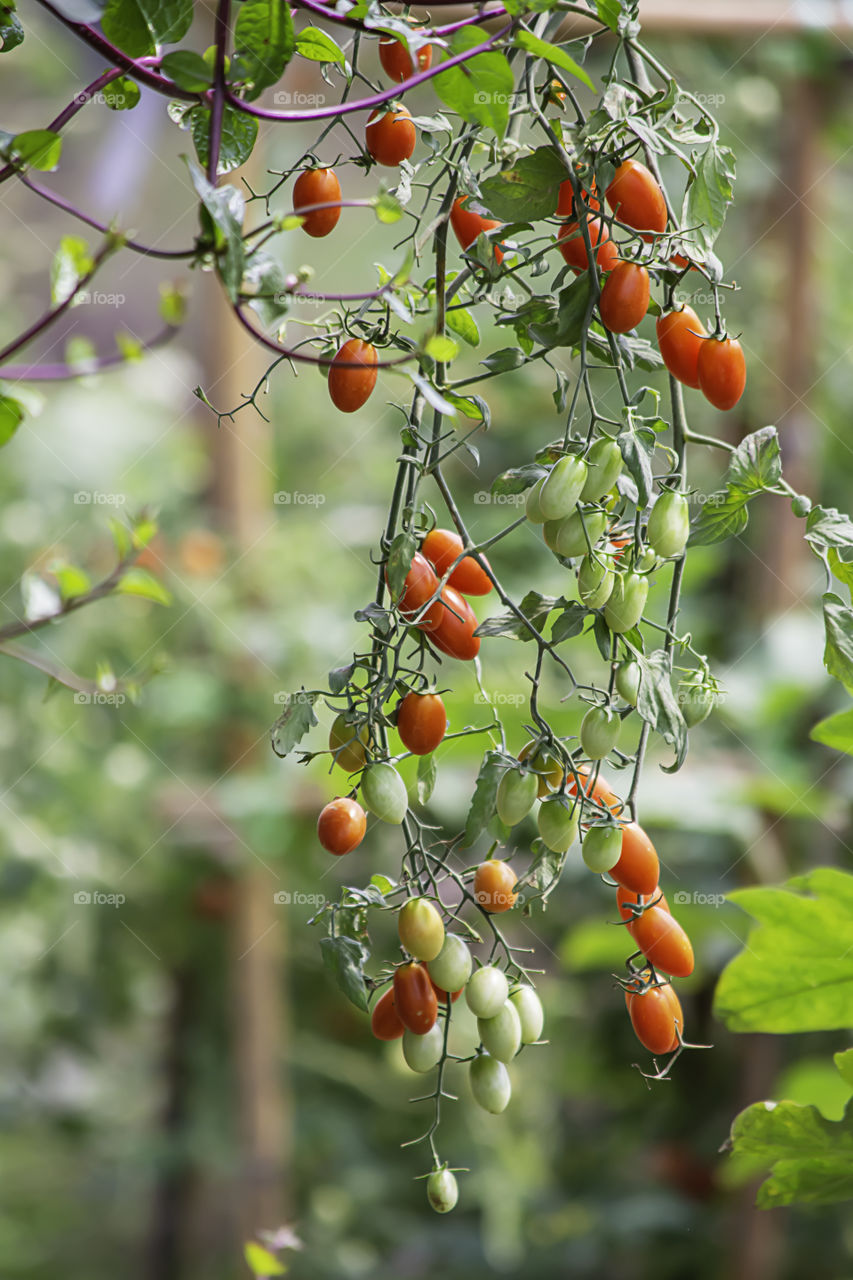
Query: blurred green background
point(177, 1071)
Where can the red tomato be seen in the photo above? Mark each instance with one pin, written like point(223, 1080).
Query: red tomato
point(663, 942)
point(341, 826)
point(680, 337)
point(397, 61)
point(636, 199)
point(421, 722)
point(468, 225)
point(349, 386)
point(566, 199)
point(385, 1021)
point(625, 899)
point(390, 135)
point(441, 547)
point(494, 886)
point(638, 867)
point(573, 249)
point(317, 186)
point(420, 584)
point(454, 634)
point(624, 297)
point(722, 371)
point(655, 1014)
point(414, 998)
point(441, 996)
point(599, 791)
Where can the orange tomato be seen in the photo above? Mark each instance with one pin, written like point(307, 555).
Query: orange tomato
point(390, 136)
point(441, 547)
point(494, 883)
point(421, 722)
point(341, 826)
point(397, 61)
point(638, 867)
point(317, 186)
point(352, 375)
point(385, 1021)
point(663, 942)
point(414, 998)
point(454, 634)
point(573, 249)
point(636, 198)
point(680, 337)
point(656, 1017)
point(467, 225)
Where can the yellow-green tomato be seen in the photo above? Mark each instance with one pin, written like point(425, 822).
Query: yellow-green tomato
point(501, 1035)
point(602, 848)
point(562, 488)
point(573, 532)
point(532, 504)
point(490, 1084)
point(348, 743)
point(422, 1053)
point(486, 992)
point(669, 525)
point(604, 465)
point(530, 1014)
point(517, 791)
point(628, 681)
point(451, 968)
point(421, 929)
point(384, 793)
point(557, 821)
point(627, 601)
point(599, 733)
point(442, 1190)
point(595, 582)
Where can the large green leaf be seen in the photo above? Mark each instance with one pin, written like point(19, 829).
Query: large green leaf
point(709, 194)
point(264, 43)
point(139, 26)
point(345, 959)
point(294, 722)
point(754, 467)
point(836, 731)
point(480, 89)
point(239, 133)
point(552, 53)
point(527, 191)
point(482, 808)
point(11, 31)
point(838, 651)
point(224, 208)
point(810, 1157)
point(657, 703)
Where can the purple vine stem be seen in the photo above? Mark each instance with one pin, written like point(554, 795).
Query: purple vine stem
point(61, 372)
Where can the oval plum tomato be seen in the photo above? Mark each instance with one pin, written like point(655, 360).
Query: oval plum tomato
point(576, 534)
point(573, 248)
point(604, 466)
point(421, 929)
point(529, 1009)
point(468, 225)
point(501, 1035)
point(494, 883)
point(390, 135)
point(595, 582)
point(598, 790)
point(385, 1021)
point(628, 677)
point(548, 767)
point(654, 1015)
point(533, 502)
point(490, 1084)
point(557, 821)
point(421, 722)
point(638, 867)
point(317, 186)
point(414, 998)
point(420, 584)
point(599, 732)
point(566, 199)
point(562, 487)
point(669, 525)
point(517, 791)
point(635, 197)
point(441, 547)
point(680, 337)
point(696, 700)
point(601, 848)
point(627, 601)
point(422, 1053)
point(384, 792)
point(341, 826)
point(348, 744)
point(624, 297)
point(626, 901)
point(487, 992)
point(397, 61)
point(442, 1190)
point(441, 993)
point(454, 634)
point(352, 375)
point(451, 968)
point(663, 942)
point(722, 371)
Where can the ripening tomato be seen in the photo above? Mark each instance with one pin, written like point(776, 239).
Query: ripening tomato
point(604, 465)
point(442, 1190)
point(490, 1084)
point(501, 1035)
point(566, 199)
point(441, 993)
point(414, 998)
point(548, 767)
point(421, 929)
point(451, 968)
point(669, 525)
point(722, 371)
point(494, 883)
point(421, 722)
point(573, 248)
point(517, 791)
point(441, 547)
point(348, 743)
point(680, 337)
point(468, 225)
point(655, 1014)
point(352, 375)
point(397, 61)
point(487, 991)
point(390, 135)
point(385, 1021)
point(598, 790)
point(636, 198)
point(638, 867)
point(317, 186)
point(454, 634)
point(341, 826)
point(626, 901)
point(599, 732)
point(624, 297)
point(420, 585)
point(663, 942)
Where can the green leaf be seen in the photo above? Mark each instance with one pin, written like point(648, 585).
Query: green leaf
point(754, 467)
point(317, 46)
point(844, 1063)
point(387, 207)
point(426, 777)
point(264, 42)
point(345, 959)
point(827, 528)
point(266, 283)
point(810, 1157)
point(709, 194)
point(480, 89)
point(121, 538)
point(72, 581)
point(723, 515)
point(518, 479)
point(11, 31)
point(553, 54)
point(794, 973)
point(838, 652)
point(463, 324)
point(637, 450)
point(535, 608)
point(11, 415)
point(173, 304)
point(239, 133)
point(835, 731)
point(71, 263)
point(542, 876)
point(188, 70)
point(657, 703)
point(399, 563)
point(138, 582)
point(609, 11)
point(36, 149)
point(441, 348)
point(505, 359)
point(529, 190)
point(569, 623)
point(482, 808)
point(224, 208)
point(261, 1262)
point(139, 26)
point(294, 722)
point(122, 94)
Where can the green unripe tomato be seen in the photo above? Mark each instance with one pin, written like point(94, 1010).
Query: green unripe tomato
point(627, 601)
point(451, 968)
point(487, 991)
point(602, 848)
point(595, 582)
point(628, 681)
point(422, 1053)
point(562, 488)
point(571, 540)
point(501, 1035)
point(490, 1084)
point(516, 794)
point(442, 1190)
point(421, 929)
point(696, 701)
point(530, 1014)
point(600, 729)
point(209, 56)
point(801, 505)
point(669, 525)
point(558, 824)
point(646, 561)
point(384, 793)
point(532, 503)
point(604, 464)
